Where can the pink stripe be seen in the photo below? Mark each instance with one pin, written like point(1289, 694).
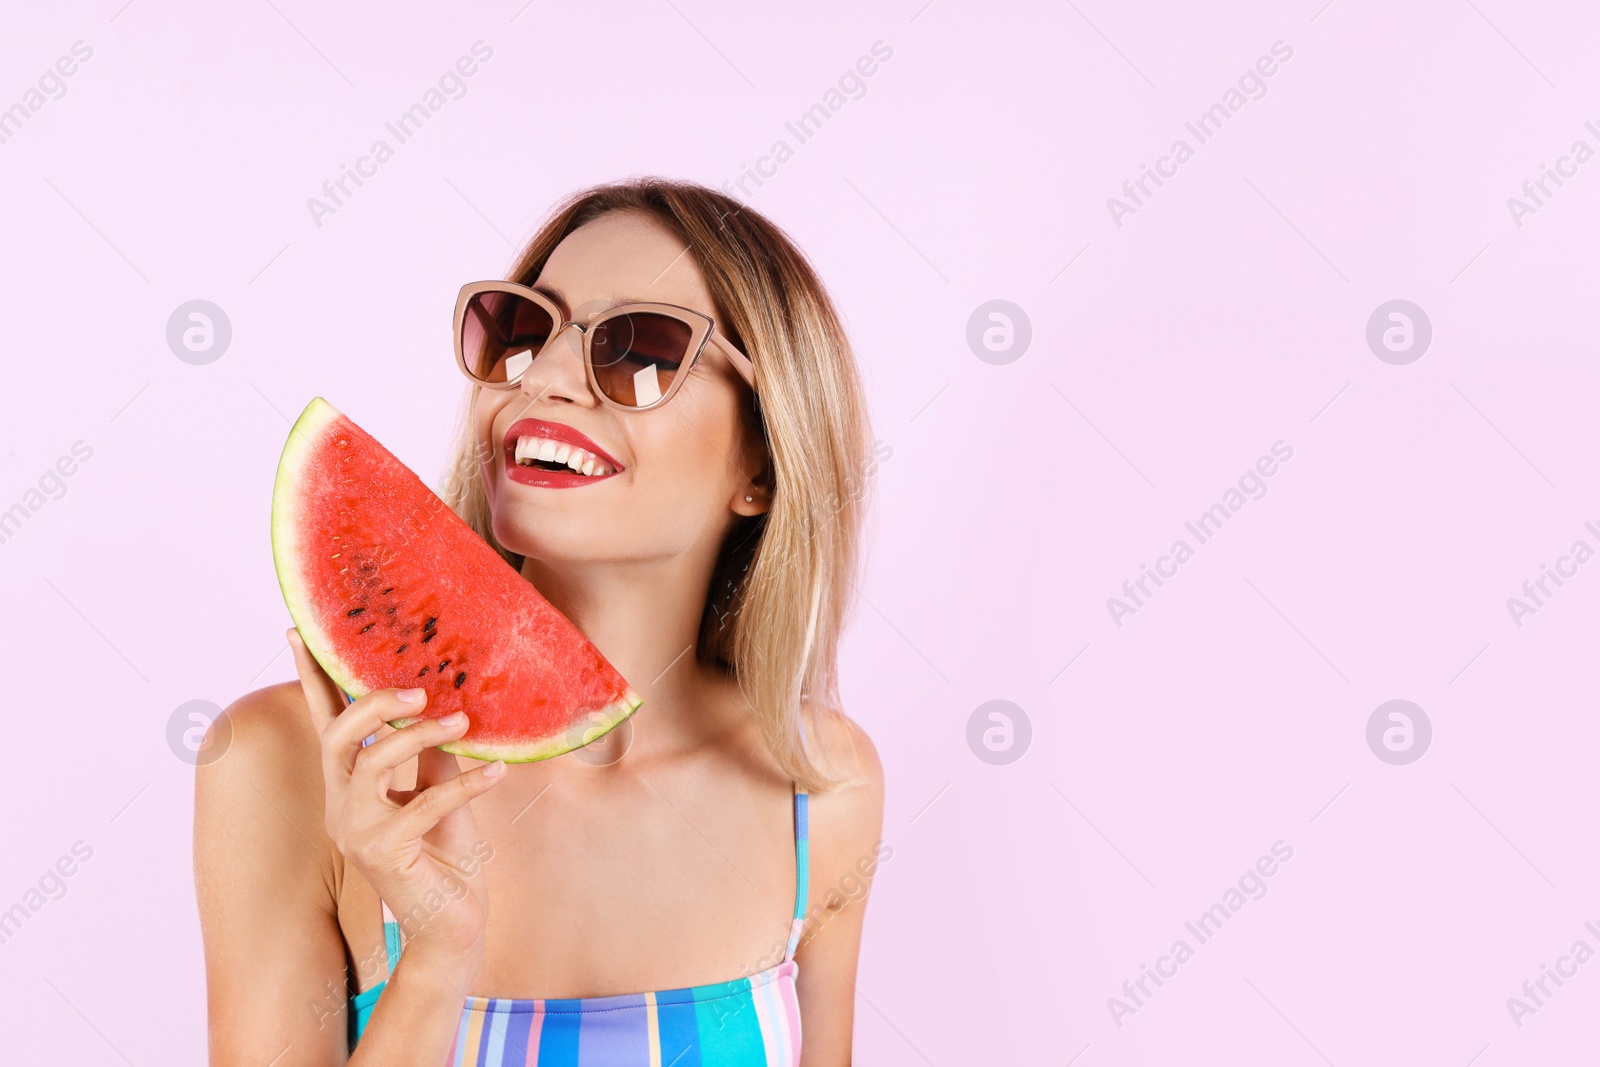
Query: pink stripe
point(766, 1021)
point(776, 1026)
point(458, 1042)
point(791, 1008)
point(535, 1030)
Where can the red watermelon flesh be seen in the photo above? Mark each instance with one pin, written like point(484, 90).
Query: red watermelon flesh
point(389, 588)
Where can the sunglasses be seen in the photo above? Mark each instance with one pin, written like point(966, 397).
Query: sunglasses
point(635, 355)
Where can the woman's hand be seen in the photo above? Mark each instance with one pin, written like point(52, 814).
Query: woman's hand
point(418, 846)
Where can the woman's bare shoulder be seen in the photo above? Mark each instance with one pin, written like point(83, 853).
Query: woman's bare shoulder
point(849, 815)
point(266, 781)
point(268, 730)
point(847, 753)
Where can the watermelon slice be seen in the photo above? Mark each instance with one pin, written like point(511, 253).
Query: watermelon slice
point(388, 587)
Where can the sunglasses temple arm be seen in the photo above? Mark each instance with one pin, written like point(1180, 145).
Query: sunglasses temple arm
point(741, 362)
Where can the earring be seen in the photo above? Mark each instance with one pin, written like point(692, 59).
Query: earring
point(749, 499)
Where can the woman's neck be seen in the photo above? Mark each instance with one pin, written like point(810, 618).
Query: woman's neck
point(645, 617)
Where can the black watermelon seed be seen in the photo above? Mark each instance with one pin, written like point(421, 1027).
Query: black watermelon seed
point(387, 591)
point(353, 612)
point(430, 636)
point(391, 611)
point(443, 665)
point(401, 649)
point(368, 626)
point(429, 624)
point(422, 672)
point(460, 678)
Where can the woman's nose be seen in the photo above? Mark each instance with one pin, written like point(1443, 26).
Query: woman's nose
point(558, 369)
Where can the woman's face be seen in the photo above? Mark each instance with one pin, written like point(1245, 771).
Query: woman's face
point(683, 468)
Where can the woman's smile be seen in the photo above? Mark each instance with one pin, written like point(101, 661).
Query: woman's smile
point(552, 455)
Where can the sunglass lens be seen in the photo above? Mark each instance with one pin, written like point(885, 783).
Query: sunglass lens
point(637, 355)
point(501, 333)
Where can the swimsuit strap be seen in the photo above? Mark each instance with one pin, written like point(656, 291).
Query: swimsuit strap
point(802, 868)
point(391, 938)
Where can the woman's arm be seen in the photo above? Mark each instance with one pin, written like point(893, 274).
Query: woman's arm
point(418, 1013)
point(846, 828)
point(266, 885)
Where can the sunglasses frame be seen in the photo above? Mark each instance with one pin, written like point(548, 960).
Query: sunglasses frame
point(702, 327)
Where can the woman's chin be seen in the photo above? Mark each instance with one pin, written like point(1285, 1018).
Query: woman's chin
point(537, 537)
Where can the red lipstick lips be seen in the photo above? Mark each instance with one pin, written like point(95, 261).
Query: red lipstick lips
point(548, 479)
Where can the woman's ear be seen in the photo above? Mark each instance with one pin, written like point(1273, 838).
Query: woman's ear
point(750, 500)
point(754, 495)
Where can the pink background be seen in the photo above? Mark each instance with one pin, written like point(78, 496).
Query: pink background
point(1227, 313)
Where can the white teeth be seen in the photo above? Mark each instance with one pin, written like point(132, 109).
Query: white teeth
point(529, 449)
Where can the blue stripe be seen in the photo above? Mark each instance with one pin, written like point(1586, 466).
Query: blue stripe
point(802, 852)
point(558, 1041)
point(461, 1040)
point(391, 943)
point(517, 1035)
point(620, 1034)
point(493, 1044)
point(730, 1034)
point(679, 1027)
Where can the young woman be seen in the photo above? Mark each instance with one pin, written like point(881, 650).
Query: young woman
point(690, 889)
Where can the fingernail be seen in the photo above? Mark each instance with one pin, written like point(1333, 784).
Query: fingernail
point(293, 635)
point(412, 696)
point(452, 719)
point(495, 769)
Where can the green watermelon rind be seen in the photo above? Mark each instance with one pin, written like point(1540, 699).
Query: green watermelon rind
point(304, 438)
point(596, 725)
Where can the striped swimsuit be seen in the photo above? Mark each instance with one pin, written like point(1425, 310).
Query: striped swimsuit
point(747, 1022)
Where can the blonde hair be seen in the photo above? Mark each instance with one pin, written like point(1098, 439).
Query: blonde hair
point(782, 584)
